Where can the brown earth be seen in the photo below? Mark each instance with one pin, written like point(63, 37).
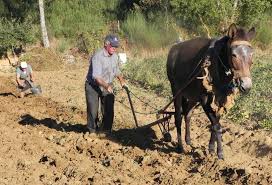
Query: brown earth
point(44, 141)
point(43, 59)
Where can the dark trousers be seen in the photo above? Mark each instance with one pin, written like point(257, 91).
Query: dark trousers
point(93, 96)
point(27, 86)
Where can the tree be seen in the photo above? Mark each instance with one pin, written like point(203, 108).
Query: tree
point(217, 15)
point(18, 9)
point(14, 34)
point(43, 27)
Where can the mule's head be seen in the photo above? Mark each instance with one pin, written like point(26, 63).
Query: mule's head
point(240, 56)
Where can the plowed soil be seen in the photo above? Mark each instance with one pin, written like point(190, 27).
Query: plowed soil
point(44, 141)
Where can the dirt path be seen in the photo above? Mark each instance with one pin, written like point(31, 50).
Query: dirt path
point(44, 141)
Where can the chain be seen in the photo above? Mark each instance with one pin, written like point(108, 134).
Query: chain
point(143, 113)
point(144, 102)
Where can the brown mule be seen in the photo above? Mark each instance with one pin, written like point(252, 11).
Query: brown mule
point(216, 69)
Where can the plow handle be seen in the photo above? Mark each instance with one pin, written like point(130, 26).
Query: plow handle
point(131, 105)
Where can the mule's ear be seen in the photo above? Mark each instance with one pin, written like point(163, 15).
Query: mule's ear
point(232, 30)
point(251, 33)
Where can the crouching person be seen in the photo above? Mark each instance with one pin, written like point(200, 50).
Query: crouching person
point(24, 78)
point(104, 67)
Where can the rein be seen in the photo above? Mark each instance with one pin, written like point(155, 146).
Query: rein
point(227, 70)
point(190, 79)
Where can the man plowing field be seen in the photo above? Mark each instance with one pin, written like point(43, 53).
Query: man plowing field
point(104, 67)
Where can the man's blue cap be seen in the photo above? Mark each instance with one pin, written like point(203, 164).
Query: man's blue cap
point(113, 40)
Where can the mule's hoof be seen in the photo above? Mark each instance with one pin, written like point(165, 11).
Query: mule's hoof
point(188, 142)
point(167, 137)
point(180, 149)
point(220, 156)
point(211, 149)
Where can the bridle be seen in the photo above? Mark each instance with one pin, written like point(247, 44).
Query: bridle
point(233, 44)
point(229, 71)
point(240, 42)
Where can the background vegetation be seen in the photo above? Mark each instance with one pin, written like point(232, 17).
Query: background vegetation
point(14, 34)
point(146, 25)
point(143, 23)
point(80, 21)
point(257, 105)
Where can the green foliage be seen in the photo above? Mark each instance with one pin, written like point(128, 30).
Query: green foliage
point(257, 105)
point(14, 34)
point(151, 8)
point(71, 18)
point(264, 31)
point(19, 10)
point(3, 10)
point(217, 15)
point(142, 33)
point(150, 73)
point(63, 45)
point(252, 11)
point(196, 14)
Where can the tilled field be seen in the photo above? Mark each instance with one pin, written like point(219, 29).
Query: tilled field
point(44, 141)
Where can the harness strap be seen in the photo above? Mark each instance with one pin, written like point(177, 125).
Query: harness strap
point(206, 58)
point(181, 89)
point(240, 42)
point(206, 62)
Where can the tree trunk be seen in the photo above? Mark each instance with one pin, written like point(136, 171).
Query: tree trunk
point(43, 27)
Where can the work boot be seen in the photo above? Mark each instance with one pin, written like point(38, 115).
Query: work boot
point(105, 133)
point(91, 130)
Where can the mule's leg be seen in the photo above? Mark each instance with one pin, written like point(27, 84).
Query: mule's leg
point(216, 131)
point(188, 108)
point(218, 134)
point(178, 120)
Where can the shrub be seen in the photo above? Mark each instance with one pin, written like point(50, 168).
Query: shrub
point(203, 14)
point(146, 34)
point(215, 16)
point(71, 18)
point(14, 34)
point(63, 45)
point(251, 12)
point(264, 32)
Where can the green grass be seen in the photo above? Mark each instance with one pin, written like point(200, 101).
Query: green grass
point(70, 18)
point(264, 32)
point(256, 106)
point(149, 73)
point(63, 45)
point(146, 34)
